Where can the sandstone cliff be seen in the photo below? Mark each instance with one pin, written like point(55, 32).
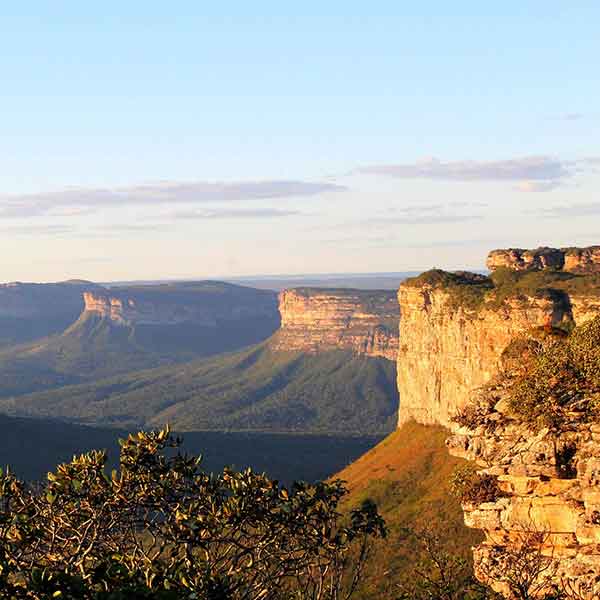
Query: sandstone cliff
point(455, 326)
point(577, 260)
point(314, 320)
point(204, 303)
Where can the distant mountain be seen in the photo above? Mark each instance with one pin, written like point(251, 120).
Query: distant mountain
point(260, 389)
point(29, 311)
point(141, 327)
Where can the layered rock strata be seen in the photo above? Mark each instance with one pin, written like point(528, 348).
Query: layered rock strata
point(363, 321)
point(574, 260)
point(176, 304)
point(448, 351)
point(546, 515)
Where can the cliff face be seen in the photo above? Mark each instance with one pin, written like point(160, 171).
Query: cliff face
point(205, 304)
point(575, 260)
point(314, 320)
point(455, 326)
point(447, 352)
point(548, 511)
point(454, 329)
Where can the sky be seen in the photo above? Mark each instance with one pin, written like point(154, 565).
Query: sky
point(151, 140)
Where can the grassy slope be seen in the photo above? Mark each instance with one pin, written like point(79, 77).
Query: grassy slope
point(255, 389)
point(94, 348)
point(407, 475)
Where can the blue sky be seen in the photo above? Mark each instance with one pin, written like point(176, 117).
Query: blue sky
point(181, 140)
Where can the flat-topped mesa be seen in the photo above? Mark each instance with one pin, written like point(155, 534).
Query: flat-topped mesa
point(574, 260)
point(363, 321)
point(42, 300)
point(205, 304)
point(455, 326)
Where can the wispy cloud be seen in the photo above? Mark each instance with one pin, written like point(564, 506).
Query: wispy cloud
point(33, 230)
point(78, 200)
point(427, 214)
point(256, 213)
point(572, 210)
point(537, 168)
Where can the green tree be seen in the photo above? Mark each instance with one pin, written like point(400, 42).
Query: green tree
point(160, 527)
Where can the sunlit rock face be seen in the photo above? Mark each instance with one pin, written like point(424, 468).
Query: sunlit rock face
point(549, 501)
point(446, 351)
point(205, 304)
point(574, 260)
point(363, 321)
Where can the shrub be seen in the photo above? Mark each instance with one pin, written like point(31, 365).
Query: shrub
point(163, 528)
point(471, 487)
point(562, 378)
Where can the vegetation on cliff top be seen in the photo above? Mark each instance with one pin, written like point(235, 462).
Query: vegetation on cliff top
point(472, 291)
point(559, 379)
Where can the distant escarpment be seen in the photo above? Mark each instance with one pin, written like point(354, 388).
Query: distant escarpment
point(454, 326)
point(127, 329)
point(534, 433)
point(575, 260)
point(29, 311)
point(315, 320)
point(203, 303)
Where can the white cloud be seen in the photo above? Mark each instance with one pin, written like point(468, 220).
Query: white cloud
point(537, 168)
point(81, 200)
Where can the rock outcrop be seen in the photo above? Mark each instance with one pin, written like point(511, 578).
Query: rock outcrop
point(546, 515)
point(574, 260)
point(363, 321)
point(204, 303)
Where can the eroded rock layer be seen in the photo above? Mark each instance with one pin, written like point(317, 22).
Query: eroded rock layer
point(546, 515)
point(575, 260)
point(363, 321)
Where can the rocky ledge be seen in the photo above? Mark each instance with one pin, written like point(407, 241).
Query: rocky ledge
point(574, 260)
point(363, 321)
point(546, 514)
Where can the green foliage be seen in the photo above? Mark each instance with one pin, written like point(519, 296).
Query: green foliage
point(257, 389)
point(465, 290)
point(560, 380)
point(471, 487)
point(441, 575)
point(473, 292)
point(161, 527)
